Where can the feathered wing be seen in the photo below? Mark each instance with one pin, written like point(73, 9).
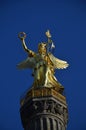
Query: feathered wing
point(58, 64)
point(28, 63)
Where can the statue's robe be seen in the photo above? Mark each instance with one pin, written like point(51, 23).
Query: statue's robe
point(42, 71)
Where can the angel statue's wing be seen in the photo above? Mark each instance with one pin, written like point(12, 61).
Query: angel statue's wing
point(58, 64)
point(28, 63)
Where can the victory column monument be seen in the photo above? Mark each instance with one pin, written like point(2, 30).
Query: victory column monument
point(44, 106)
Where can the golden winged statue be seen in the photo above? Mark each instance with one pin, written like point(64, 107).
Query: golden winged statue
point(43, 63)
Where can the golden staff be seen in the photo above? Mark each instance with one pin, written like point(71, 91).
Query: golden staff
point(49, 40)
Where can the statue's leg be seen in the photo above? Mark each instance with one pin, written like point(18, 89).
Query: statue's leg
point(39, 76)
point(36, 78)
point(46, 82)
point(42, 75)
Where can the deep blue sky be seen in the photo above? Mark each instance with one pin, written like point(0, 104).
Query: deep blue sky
point(67, 23)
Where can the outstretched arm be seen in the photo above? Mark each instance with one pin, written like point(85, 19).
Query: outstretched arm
point(30, 52)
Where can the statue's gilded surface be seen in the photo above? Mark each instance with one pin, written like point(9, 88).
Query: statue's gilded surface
point(43, 63)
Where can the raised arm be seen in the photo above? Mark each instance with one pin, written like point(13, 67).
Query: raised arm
point(22, 38)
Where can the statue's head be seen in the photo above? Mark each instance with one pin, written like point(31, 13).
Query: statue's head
point(42, 48)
